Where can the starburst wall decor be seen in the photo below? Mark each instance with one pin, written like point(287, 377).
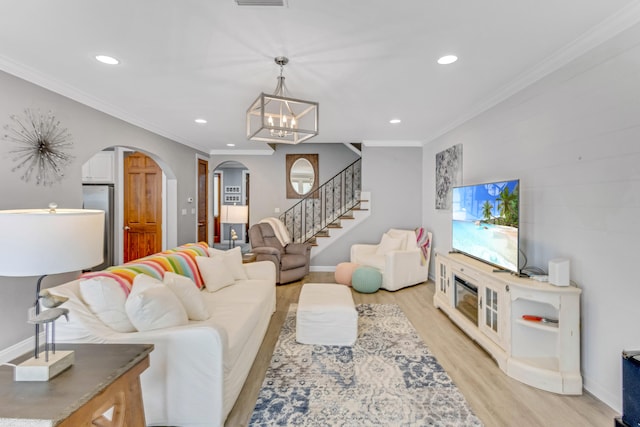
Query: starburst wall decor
point(43, 144)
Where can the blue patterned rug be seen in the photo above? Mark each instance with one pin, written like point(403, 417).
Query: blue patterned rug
point(388, 378)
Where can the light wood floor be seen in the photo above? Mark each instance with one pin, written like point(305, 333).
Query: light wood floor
point(495, 398)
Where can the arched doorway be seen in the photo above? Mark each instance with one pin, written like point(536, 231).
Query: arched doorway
point(231, 189)
point(105, 169)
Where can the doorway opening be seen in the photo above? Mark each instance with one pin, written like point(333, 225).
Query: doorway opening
point(231, 205)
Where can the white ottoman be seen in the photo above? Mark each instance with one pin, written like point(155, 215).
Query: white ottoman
point(326, 315)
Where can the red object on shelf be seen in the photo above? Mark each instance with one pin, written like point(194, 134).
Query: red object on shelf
point(533, 318)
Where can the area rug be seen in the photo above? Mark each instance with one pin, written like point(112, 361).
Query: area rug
point(388, 378)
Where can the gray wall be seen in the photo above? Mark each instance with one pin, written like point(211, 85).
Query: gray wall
point(382, 170)
point(92, 131)
point(268, 175)
point(394, 178)
point(573, 140)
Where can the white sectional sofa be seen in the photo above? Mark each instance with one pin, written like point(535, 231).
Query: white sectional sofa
point(197, 369)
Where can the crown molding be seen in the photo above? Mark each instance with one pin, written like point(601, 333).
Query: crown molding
point(624, 19)
point(262, 152)
point(33, 76)
point(392, 143)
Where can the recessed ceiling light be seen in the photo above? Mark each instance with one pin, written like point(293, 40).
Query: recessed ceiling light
point(109, 60)
point(447, 59)
point(200, 121)
point(231, 145)
point(395, 121)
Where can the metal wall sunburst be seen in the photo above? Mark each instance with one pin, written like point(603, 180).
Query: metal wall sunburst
point(43, 146)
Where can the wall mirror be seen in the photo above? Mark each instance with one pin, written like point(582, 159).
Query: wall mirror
point(302, 175)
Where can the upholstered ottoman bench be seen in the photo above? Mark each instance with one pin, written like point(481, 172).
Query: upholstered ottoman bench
point(326, 315)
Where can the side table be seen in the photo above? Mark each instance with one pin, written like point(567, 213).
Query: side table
point(248, 257)
point(104, 376)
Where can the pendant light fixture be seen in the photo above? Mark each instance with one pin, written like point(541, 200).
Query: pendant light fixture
point(280, 119)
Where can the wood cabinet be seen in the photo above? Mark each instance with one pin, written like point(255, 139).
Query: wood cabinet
point(489, 307)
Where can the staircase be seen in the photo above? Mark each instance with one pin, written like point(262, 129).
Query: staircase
point(329, 212)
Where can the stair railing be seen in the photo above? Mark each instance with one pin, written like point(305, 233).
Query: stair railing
point(324, 206)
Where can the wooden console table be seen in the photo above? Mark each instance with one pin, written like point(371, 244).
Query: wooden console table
point(103, 376)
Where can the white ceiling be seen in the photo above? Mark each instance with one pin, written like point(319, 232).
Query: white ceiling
point(364, 61)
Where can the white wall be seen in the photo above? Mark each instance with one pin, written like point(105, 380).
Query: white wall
point(573, 139)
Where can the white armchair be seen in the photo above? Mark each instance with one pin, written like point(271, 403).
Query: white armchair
point(398, 258)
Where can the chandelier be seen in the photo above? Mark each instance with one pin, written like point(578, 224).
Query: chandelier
point(280, 119)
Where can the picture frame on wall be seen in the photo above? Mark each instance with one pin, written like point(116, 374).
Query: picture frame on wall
point(232, 189)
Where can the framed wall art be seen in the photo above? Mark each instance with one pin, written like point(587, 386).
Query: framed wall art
point(448, 174)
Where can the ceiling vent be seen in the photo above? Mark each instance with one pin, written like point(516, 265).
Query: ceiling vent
point(261, 2)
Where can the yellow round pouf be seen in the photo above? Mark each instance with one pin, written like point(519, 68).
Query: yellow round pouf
point(366, 280)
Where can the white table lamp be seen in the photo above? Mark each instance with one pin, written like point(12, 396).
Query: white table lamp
point(40, 242)
point(234, 214)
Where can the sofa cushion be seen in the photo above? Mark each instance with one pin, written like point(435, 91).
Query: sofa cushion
point(232, 260)
point(291, 261)
point(409, 238)
point(106, 298)
point(373, 260)
point(216, 275)
point(152, 305)
point(188, 294)
point(388, 244)
point(237, 309)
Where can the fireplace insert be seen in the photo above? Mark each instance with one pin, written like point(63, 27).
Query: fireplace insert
point(466, 298)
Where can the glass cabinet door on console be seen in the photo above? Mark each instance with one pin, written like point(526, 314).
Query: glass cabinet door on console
point(492, 308)
point(443, 279)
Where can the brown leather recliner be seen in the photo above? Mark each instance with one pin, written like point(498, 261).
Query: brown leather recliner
point(292, 261)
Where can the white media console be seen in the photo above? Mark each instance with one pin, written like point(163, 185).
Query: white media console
point(489, 306)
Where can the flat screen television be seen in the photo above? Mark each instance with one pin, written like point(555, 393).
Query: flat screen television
point(485, 223)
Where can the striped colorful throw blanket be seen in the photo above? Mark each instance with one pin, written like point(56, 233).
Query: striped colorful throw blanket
point(180, 260)
point(424, 243)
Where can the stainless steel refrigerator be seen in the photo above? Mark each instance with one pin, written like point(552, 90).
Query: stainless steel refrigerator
point(100, 196)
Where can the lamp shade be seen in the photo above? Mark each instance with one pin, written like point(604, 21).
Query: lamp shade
point(35, 242)
point(233, 214)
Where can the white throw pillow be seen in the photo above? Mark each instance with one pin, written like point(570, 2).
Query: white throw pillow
point(106, 299)
point(388, 244)
point(188, 294)
point(408, 238)
point(141, 281)
point(214, 272)
point(232, 261)
point(154, 306)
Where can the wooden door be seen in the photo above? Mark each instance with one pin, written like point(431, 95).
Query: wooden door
point(247, 199)
point(142, 206)
point(203, 201)
point(217, 196)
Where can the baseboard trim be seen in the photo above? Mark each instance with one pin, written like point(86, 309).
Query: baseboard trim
point(322, 268)
point(16, 350)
